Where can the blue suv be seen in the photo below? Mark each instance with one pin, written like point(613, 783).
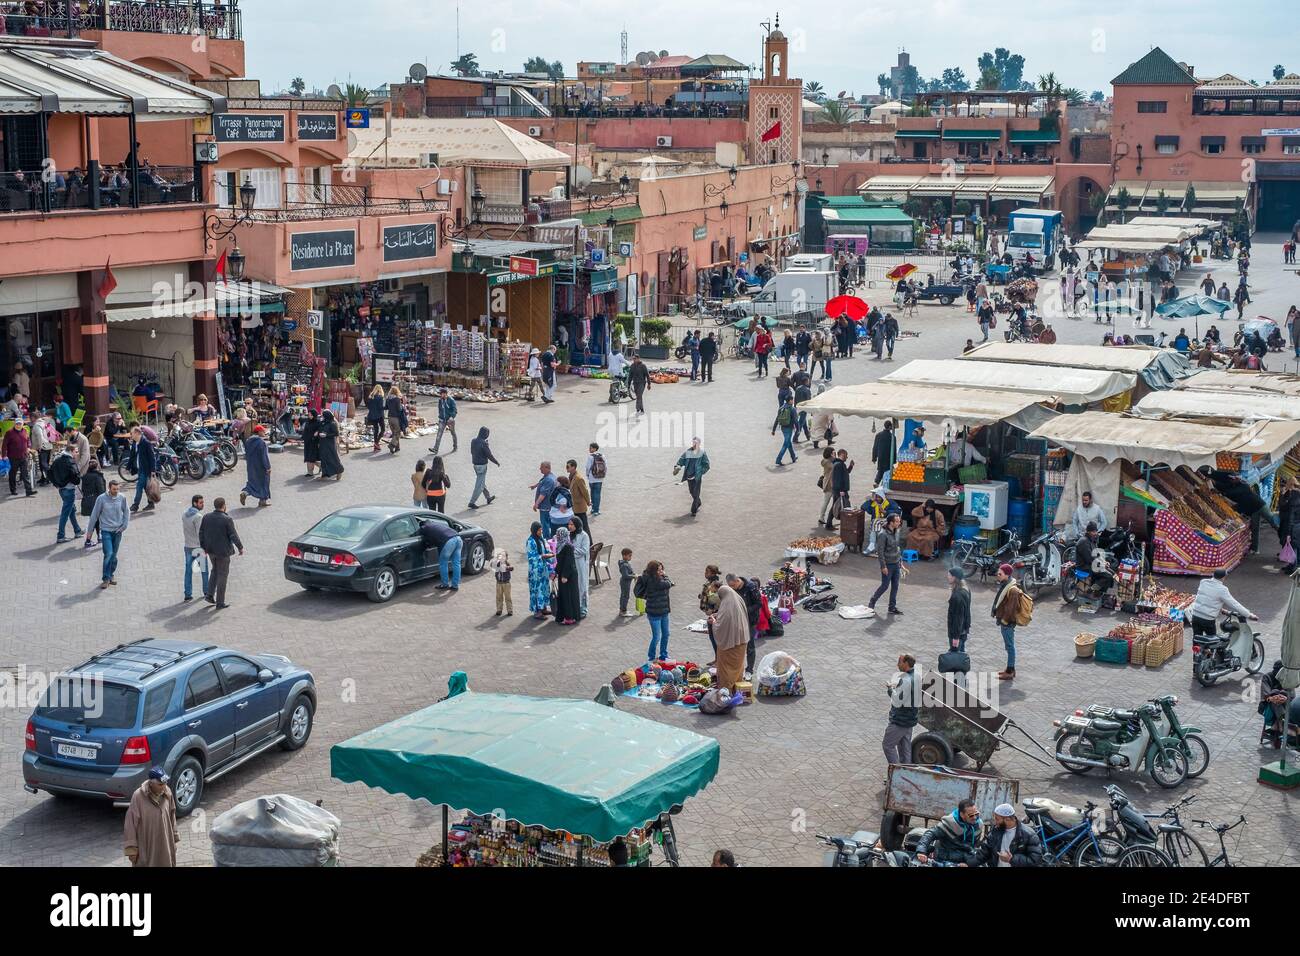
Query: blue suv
point(195, 709)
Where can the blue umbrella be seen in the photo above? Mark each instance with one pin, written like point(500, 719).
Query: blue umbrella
point(1193, 307)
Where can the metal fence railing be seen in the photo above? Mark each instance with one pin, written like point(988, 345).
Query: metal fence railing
point(55, 190)
point(125, 369)
point(70, 18)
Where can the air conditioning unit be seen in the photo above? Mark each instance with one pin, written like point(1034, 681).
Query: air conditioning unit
point(430, 159)
point(534, 131)
point(663, 140)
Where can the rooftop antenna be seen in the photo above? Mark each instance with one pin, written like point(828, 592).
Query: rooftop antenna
point(622, 45)
point(458, 29)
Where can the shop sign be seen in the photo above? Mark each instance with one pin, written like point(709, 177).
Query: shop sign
point(385, 369)
point(322, 250)
point(318, 126)
point(289, 324)
point(600, 286)
point(315, 319)
point(359, 118)
point(418, 240)
point(701, 232)
point(1291, 131)
point(625, 249)
point(524, 265)
point(506, 278)
point(249, 128)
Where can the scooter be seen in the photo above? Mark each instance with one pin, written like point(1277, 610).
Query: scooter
point(862, 850)
point(1127, 740)
point(1192, 744)
point(1235, 648)
point(1040, 565)
point(619, 389)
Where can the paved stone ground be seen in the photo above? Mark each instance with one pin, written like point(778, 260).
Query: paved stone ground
point(789, 768)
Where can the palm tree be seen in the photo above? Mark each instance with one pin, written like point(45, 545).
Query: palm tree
point(465, 65)
point(354, 94)
point(1048, 84)
point(1072, 95)
point(990, 78)
point(298, 86)
point(814, 91)
point(834, 112)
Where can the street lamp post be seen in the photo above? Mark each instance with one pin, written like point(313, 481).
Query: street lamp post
point(218, 230)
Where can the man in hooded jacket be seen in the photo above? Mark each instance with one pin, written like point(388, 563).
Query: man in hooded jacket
point(480, 454)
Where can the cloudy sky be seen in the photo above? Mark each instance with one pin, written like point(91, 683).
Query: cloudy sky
point(1085, 43)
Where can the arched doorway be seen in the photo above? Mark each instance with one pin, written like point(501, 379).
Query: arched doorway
point(1078, 199)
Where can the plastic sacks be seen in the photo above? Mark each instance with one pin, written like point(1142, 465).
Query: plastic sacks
point(779, 675)
point(278, 830)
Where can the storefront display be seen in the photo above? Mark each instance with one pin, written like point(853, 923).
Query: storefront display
point(1197, 531)
point(490, 841)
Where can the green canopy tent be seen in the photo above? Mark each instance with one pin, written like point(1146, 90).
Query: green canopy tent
point(571, 765)
point(1192, 307)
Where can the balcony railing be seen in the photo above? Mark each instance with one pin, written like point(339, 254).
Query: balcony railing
point(222, 21)
point(305, 202)
point(26, 191)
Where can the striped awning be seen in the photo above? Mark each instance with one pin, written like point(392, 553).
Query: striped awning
point(917, 134)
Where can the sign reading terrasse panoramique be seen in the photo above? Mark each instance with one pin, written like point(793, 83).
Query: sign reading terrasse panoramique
point(248, 128)
point(322, 250)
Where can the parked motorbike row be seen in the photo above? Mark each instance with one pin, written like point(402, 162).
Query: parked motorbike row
point(1147, 738)
point(190, 452)
point(1087, 836)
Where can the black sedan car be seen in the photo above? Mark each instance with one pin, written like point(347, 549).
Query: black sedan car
point(376, 549)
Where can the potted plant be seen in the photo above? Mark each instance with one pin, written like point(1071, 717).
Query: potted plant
point(655, 339)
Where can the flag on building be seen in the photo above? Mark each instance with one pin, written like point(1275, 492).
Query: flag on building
point(221, 264)
point(773, 132)
point(109, 282)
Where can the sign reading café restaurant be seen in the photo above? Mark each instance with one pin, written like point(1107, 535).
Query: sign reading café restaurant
point(248, 128)
point(322, 250)
point(417, 240)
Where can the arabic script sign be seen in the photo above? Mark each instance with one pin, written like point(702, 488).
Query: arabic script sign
point(318, 126)
point(418, 240)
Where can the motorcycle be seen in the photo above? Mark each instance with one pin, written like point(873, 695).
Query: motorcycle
point(1218, 656)
point(619, 389)
point(1126, 740)
point(1040, 565)
point(196, 457)
point(1192, 744)
point(223, 446)
point(973, 560)
point(169, 467)
point(862, 850)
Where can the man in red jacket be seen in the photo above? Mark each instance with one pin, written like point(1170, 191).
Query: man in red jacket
point(763, 346)
point(15, 448)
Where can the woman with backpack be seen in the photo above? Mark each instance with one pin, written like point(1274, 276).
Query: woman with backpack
point(1011, 607)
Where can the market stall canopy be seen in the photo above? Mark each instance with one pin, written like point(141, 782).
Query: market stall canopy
point(993, 187)
point(1191, 306)
point(1113, 437)
point(468, 142)
point(571, 765)
point(1159, 368)
point(1225, 380)
point(1073, 386)
point(964, 407)
point(1238, 406)
point(1185, 222)
point(57, 79)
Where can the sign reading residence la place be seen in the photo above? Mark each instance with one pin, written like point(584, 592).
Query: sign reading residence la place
point(416, 240)
point(248, 128)
point(322, 250)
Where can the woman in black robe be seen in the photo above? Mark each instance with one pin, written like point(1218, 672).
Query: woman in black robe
point(330, 466)
point(568, 602)
point(311, 443)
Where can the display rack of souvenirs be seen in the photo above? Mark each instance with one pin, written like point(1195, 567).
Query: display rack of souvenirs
point(490, 841)
point(1199, 531)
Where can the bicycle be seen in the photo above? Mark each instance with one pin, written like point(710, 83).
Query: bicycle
point(1080, 845)
point(967, 553)
point(1183, 848)
point(1221, 829)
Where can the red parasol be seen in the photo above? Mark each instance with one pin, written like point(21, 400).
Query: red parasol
point(849, 305)
point(900, 272)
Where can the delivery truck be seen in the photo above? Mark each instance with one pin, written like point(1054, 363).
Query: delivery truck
point(796, 295)
point(1034, 237)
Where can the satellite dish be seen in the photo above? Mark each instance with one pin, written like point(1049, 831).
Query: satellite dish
point(583, 175)
point(841, 94)
point(663, 52)
point(642, 59)
point(352, 142)
point(334, 91)
point(651, 56)
point(417, 71)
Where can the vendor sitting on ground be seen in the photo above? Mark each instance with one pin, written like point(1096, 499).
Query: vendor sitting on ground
point(929, 532)
point(1087, 513)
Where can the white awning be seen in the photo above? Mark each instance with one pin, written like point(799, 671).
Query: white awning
point(1122, 245)
point(1073, 386)
point(963, 407)
point(1122, 438)
point(40, 79)
point(162, 310)
point(1237, 406)
point(1186, 222)
point(1223, 380)
point(1111, 358)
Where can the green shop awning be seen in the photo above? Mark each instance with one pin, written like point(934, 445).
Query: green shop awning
point(917, 134)
point(868, 216)
point(570, 765)
point(973, 135)
point(1030, 136)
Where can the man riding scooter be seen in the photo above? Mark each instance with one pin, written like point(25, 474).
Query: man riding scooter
point(954, 839)
point(1212, 596)
point(1087, 558)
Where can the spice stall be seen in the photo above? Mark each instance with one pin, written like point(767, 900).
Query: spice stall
point(1192, 528)
point(562, 779)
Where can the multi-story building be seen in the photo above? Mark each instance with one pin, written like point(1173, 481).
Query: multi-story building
point(1204, 147)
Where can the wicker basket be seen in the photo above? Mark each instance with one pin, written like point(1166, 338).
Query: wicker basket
point(1085, 644)
point(1137, 651)
point(1159, 650)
